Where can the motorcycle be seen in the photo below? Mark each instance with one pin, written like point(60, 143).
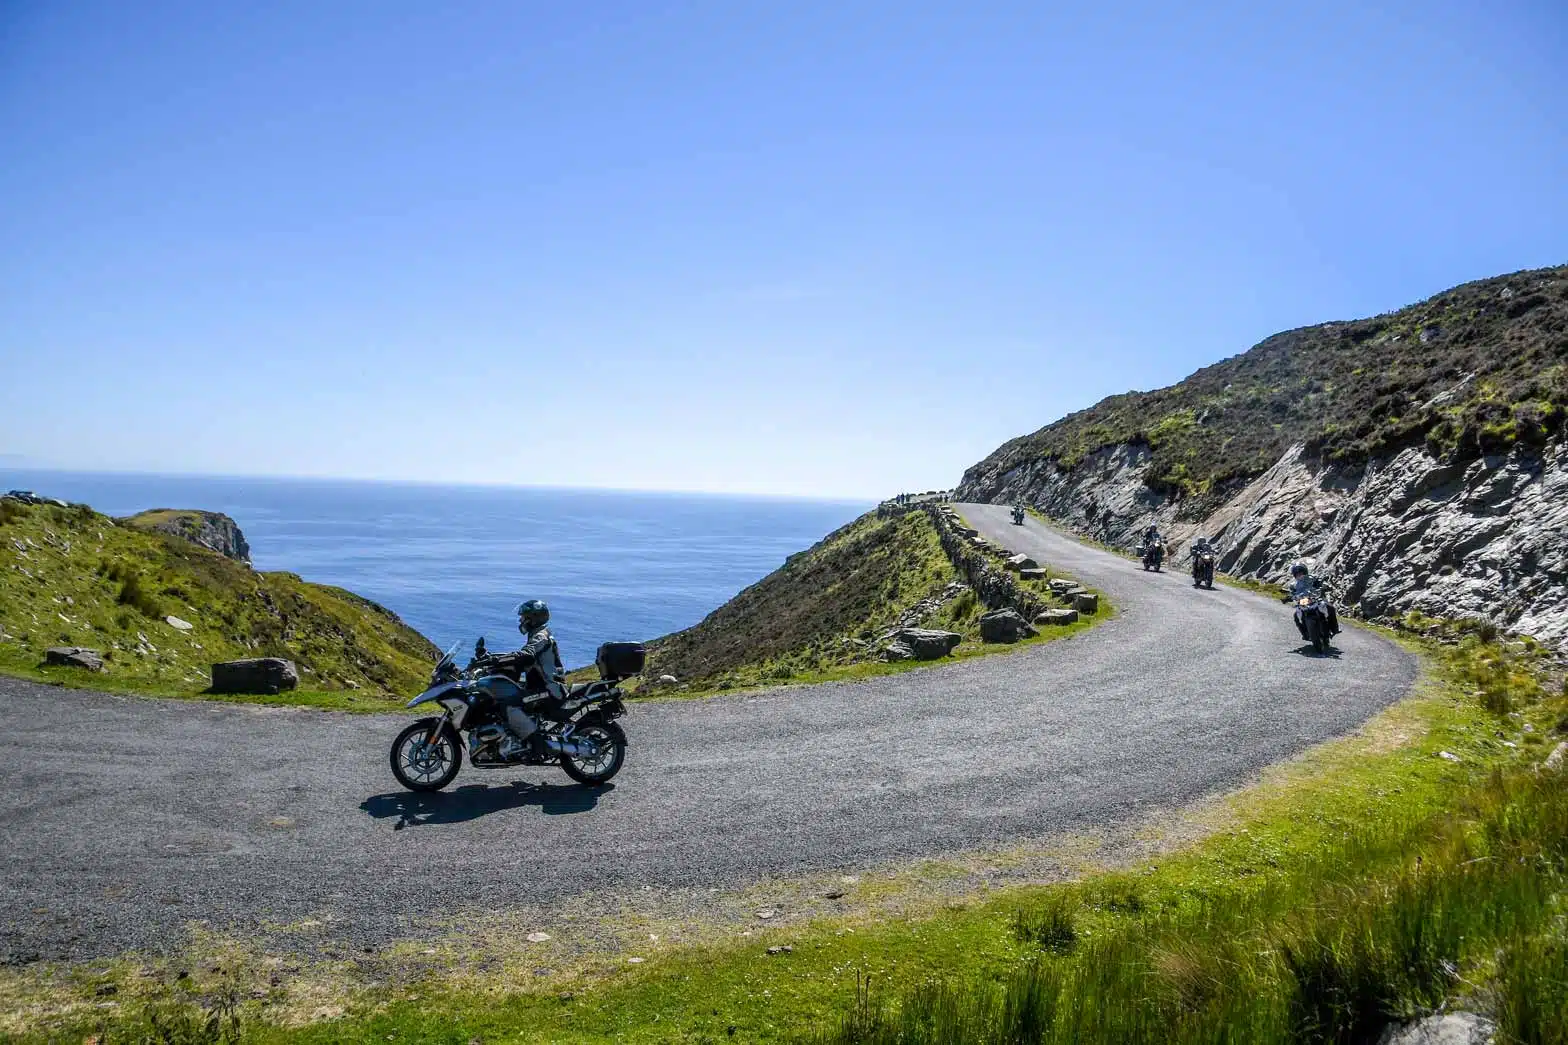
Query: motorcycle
point(1315, 619)
point(576, 731)
point(1203, 569)
point(1153, 555)
point(1018, 516)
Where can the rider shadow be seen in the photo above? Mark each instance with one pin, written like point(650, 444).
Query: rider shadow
point(1307, 651)
point(412, 808)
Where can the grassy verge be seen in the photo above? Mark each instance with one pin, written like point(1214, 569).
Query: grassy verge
point(1419, 860)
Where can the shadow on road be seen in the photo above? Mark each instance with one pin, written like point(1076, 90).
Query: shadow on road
point(1307, 651)
point(411, 808)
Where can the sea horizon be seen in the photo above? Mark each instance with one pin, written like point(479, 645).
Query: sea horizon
point(453, 559)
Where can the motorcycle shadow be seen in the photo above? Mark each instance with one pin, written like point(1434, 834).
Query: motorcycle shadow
point(1332, 652)
point(473, 801)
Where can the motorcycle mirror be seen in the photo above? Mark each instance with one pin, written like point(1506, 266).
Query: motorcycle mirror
point(479, 647)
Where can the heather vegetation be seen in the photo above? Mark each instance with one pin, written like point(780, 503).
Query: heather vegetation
point(1475, 370)
point(73, 577)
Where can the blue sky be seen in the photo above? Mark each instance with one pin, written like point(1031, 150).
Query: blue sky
point(837, 249)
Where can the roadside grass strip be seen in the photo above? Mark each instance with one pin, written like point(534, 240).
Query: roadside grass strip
point(1418, 863)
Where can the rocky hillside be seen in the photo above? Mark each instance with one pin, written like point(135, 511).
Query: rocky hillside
point(1416, 459)
point(152, 595)
point(844, 604)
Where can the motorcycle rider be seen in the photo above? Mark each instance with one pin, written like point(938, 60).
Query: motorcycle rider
point(1200, 547)
point(1303, 584)
point(536, 668)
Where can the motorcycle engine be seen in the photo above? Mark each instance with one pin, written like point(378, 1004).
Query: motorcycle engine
point(484, 744)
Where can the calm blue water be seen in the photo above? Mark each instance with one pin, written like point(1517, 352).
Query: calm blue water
point(453, 561)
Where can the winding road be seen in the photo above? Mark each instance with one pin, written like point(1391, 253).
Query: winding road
point(124, 819)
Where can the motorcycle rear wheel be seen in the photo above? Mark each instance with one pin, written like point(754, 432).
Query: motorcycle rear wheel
point(612, 744)
point(419, 767)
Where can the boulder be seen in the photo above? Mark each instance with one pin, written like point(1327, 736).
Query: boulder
point(1056, 617)
point(928, 643)
point(1005, 625)
point(1036, 574)
point(1021, 562)
point(73, 657)
point(1086, 603)
point(968, 531)
point(897, 651)
point(256, 675)
point(1062, 585)
point(1449, 1028)
point(177, 624)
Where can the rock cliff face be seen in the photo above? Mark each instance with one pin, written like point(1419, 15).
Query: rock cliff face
point(1487, 539)
point(212, 530)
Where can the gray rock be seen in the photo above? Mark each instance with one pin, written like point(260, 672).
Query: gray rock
point(897, 651)
point(1449, 1028)
point(177, 624)
point(1004, 625)
point(1086, 603)
point(1036, 574)
point(73, 657)
point(668, 680)
point(928, 643)
point(1558, 756)
point(1022, 562)
point(1061, 586)
point(1056, 618)
point(268, 675)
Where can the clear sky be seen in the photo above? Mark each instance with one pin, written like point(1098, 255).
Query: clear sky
point(835, 249)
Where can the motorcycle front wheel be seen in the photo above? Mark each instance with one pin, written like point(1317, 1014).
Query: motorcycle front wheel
point(419, 766)
point(610, 743)
point(1315, 634)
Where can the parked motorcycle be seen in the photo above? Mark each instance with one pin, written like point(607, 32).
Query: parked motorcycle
point(1018, 516)
point(1153, 555)
point(1203, 569)
point(577, 731)
point(1315, 619)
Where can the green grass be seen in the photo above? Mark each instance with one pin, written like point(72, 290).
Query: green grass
point(1350, 390)
point(72, 577)
point(1369, 879)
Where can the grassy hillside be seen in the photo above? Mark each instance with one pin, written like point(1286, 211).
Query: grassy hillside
point(1474, 370)
point(819, 614)
point(72, 577)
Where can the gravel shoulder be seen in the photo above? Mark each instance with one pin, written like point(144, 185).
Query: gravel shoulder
point(127, 819)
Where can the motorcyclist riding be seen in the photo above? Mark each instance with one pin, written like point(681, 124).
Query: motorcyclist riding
point(1303, 584)
point(536, 668)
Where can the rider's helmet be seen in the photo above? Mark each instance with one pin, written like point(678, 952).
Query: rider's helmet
point(532, 615)
point(1299, 570)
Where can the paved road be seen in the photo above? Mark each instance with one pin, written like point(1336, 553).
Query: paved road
point(122, 819)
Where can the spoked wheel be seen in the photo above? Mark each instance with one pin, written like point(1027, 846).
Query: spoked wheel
point(422, 766)
point(609, 752)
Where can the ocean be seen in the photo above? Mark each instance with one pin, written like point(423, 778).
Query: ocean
point(453, 561)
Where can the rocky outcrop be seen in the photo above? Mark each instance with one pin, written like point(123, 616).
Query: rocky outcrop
point(211, 530)
point(1451, 1028)
point(270, 675)
point(1486, 539)
point(928, 643)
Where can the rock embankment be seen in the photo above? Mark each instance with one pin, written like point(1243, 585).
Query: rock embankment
point(1485, 539)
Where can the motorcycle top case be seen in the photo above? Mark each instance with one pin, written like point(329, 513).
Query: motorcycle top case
point(619, 660)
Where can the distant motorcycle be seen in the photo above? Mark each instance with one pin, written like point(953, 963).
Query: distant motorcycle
point(577, 731)
point(1315, 619)
point(1203, 569)
point(1153, 555)
point(1018, 516)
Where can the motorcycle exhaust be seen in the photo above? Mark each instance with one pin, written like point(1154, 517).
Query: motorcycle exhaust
point(570, 746)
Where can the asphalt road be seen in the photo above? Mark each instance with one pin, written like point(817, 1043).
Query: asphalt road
point(124, 819)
